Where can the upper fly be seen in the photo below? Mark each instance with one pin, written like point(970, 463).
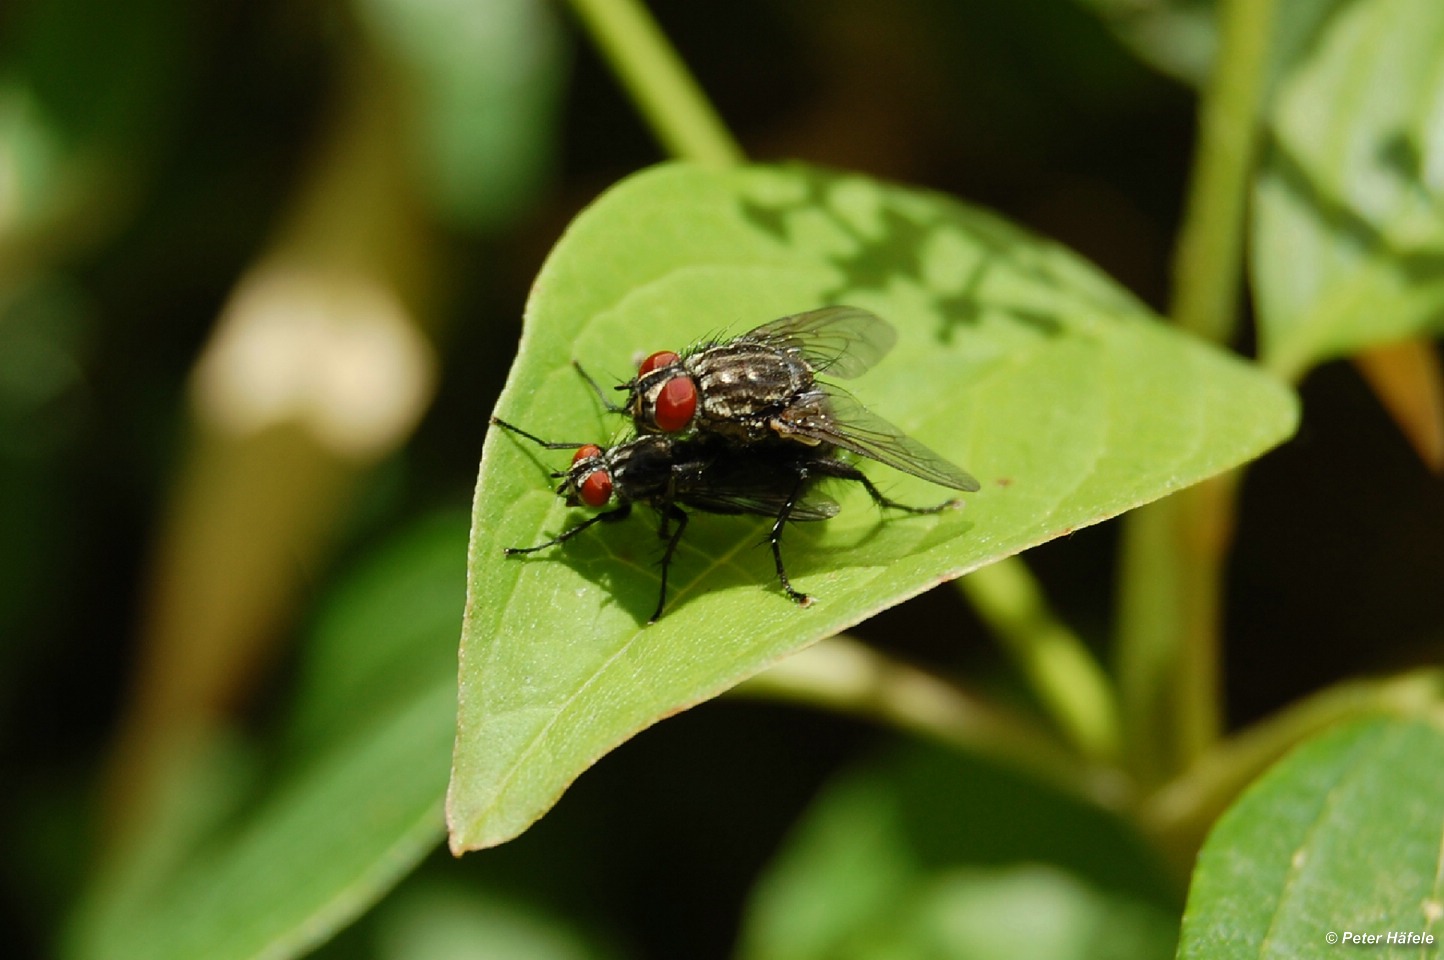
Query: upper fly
point(762, 387)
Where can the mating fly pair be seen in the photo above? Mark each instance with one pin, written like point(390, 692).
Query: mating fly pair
point(743, 426)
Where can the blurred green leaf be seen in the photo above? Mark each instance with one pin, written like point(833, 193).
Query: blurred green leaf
point(1024, 911)
point(1017, 360)
point(1349, 235)
point(485, 79)
point(451, 922)
point(931, 854)
point(1342, 836)
point(1180, 37)
point(1177, 37)
point(86, 90)
point(379, 637)
point(358, 799)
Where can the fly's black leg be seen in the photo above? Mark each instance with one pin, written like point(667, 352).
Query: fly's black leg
point(775, 538)
point(547, 444)
point(666, 504)
point(846, 471)
point(670, 513)
point(597, 389)
point(620, 513)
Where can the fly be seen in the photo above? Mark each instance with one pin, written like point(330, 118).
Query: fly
point(705, 473)
point(761, 387)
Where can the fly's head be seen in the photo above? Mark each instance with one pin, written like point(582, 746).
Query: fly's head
point(663, 395)
point(588, 481)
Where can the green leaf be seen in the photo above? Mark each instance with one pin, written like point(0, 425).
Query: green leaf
point(1179, 39)
point(357, 800)
point(930, 854)
point(79, 121)
point(484, 81)
point(1343, 837)
point(1023, 364)
point(440, 921)
point(1349, 235)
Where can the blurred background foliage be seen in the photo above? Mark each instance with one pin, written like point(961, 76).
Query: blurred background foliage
point(262, 267)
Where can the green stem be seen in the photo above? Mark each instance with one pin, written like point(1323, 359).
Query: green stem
point(1208, 263)
point(1065, 676)
point(658, 82)
point(843, 674)
point(1180, 813)
point(1174, 551)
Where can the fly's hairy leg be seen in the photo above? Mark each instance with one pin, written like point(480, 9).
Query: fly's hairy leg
point(621, 513)
point(545, 444)
point(597, 389)
point(846, 471)
point(670, 513)
point(775, 538)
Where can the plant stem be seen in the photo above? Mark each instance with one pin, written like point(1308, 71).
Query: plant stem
point(1208, 263)
point(1064, 675)
point(1180, 813)
point(657, 80)
point(1174, 551)
point(843, 674)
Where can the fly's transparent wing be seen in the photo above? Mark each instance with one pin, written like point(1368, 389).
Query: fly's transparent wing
point(766, 503)
point(839, 341)
point(835, 416)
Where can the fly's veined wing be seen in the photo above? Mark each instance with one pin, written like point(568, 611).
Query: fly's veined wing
point(766, 503)
point(853, 427)
point(839, 341)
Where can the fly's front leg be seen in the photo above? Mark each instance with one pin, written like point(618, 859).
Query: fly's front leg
point(621, 513)
point(670, 512)
point(846, 471)
point(597, 389)
point(545, 444)
point(775, 538)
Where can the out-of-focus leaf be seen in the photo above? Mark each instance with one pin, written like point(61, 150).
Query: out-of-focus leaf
point(485, 78)
point(932, 854)
point(1024, 911)
point(359, 798)
point(1180, 37)
point(1349, 236)
point(1015, 359)
point(434, 922)
point(1176, 37)
point(84, 90)
point(1341, 837)
point(378, 638)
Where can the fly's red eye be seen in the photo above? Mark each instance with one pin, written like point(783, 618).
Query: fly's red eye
point(676, 403)
point(596, 488)
point(586, 452)
point(662, 358)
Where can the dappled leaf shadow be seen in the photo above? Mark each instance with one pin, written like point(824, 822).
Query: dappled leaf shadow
point(901, 245)
point(1399, 153)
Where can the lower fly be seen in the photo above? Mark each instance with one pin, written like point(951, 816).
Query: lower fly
point(709, 474)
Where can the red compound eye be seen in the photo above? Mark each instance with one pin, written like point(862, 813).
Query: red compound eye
point(596, 488)
point(676, 402)
point(662, 358)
